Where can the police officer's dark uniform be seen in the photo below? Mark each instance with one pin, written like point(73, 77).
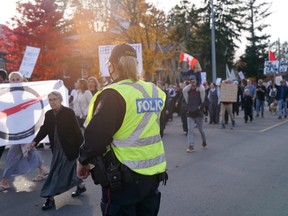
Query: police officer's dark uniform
point(135, 190)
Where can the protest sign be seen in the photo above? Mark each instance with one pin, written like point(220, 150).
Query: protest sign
point(228, 92)
point(241, 75)
point(22, 109)
point(276, 67)
point(29, 60)
point(218, 81)
point(105, 51)
point(203, 77)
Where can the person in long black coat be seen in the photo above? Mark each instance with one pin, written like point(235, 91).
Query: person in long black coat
point(65, 137)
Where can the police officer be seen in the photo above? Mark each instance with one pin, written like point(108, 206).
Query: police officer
point(123, 131)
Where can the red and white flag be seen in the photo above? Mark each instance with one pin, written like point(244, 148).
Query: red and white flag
point(192, 61)
point(271, 56)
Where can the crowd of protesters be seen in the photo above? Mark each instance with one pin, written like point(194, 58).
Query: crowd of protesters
point(193, 100)
point(252, 98)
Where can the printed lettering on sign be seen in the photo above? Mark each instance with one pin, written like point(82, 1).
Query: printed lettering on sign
point(149, 105)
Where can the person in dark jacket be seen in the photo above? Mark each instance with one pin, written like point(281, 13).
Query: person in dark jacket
point(195, 98)
point(247, 105)
point(65, 137)
point(281, 97)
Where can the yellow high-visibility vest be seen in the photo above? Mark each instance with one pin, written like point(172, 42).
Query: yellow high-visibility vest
point(138, 143)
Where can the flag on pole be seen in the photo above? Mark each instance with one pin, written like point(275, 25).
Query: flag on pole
point(271, 56)
point(230, 74)
point(192, 61)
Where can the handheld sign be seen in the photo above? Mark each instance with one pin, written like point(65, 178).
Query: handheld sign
point(105, 51)
point(29, 60)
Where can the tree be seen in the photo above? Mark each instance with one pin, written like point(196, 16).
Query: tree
point(194, 27)
point(135, 21)
point(40, 24)
point(88, 27)
point(256, 50)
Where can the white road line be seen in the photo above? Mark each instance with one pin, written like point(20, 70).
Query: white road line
point(273, 126)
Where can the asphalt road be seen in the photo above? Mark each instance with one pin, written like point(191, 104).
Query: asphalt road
point(242, 173)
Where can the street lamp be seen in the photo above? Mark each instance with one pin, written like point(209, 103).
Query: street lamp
point(213, 43)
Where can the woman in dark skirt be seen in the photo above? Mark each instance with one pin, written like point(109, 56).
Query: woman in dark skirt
point(65, 137)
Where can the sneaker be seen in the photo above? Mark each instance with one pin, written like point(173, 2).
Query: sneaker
point(257, 115)
point(280, 117)
point(204, 144)
point(190, 149)
point(223, 126)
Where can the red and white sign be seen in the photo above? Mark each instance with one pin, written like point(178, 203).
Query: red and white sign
point(22, 109)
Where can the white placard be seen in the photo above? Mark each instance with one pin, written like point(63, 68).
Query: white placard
point(203, 77)
point(278, 80)
point(105, 51)
point(241, 75)
point(218, 81)
point(29, 60)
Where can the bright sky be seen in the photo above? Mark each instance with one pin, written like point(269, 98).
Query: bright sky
point(277, 20)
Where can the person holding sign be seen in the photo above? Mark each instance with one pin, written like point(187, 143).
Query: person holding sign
point(228, 95)
point(20, 158)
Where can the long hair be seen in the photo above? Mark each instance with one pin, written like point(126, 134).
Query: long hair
point(83, 85)
point(127, 68)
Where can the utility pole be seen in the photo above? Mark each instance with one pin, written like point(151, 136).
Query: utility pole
point(213, 43)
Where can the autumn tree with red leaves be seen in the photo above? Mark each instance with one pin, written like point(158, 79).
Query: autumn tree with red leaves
point(39, 24)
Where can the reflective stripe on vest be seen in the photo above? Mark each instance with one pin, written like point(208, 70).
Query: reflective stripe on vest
point(128, 145)
point(147, 165)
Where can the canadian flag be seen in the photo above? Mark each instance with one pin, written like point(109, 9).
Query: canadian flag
point(193, 62)
point(271, 56)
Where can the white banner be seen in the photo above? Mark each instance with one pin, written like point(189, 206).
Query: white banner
point(23, 107)
point(29, 60)
point(105, 51)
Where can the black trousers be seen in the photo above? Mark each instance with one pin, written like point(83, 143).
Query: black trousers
point(137, 198)
point(248, 113)
point(2, 148)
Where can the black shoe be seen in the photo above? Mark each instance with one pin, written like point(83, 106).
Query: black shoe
point(49, 204)
point(204, 144)
point(41, 145)
point(78, 191)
